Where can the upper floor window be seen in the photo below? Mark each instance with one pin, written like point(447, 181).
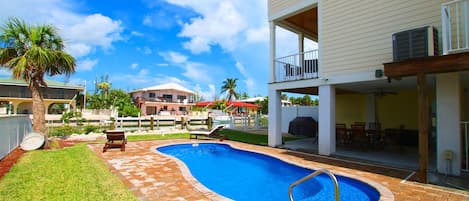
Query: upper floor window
point(181, 97)
point(151, 95)
point(168, 97)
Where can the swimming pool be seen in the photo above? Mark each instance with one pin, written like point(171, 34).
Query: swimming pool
point(243, 175)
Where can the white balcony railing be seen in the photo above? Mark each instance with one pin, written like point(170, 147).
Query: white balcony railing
point(297, 66)
point(455, 30)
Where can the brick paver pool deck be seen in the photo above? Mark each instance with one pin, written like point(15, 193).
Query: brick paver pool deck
point(151, 175)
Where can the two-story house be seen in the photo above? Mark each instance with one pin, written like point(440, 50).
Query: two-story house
point(401, 63)
point(170, 98)
point(15, 96)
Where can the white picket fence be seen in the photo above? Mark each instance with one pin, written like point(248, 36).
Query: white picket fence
point(13, 128)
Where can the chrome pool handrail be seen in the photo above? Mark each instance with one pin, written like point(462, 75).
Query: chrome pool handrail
point(316, 173)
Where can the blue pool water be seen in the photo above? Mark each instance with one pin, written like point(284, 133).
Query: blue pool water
point(243, 175)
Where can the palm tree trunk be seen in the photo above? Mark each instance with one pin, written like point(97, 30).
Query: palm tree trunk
point(39, 113)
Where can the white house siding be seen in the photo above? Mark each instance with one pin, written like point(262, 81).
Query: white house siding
point(357, 35)
point(284, 8)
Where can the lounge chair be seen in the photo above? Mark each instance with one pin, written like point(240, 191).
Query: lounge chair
point(211, 133)
point(115, 139)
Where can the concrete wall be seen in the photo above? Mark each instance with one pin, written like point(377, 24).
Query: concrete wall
point(290, 113)
point(392, 110)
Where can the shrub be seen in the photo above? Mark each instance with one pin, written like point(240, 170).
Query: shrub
point(90, 128)
point(63, 130)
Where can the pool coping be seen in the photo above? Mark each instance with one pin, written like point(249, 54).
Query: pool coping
point(385, 193)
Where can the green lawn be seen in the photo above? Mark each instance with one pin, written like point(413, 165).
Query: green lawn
point(74, 173)
point(249, 138)
point(157, 137)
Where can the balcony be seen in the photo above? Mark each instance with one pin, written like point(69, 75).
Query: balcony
point(297, 67)
point(163, 100)
point(455, 30)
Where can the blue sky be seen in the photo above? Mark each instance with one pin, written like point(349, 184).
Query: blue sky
point(141, 43)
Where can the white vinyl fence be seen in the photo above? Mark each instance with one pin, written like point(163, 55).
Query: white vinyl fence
point(291, 112)
point(13, 129)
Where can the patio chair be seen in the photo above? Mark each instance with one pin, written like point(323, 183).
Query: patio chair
point(359, 137)
point(211, 133)
point(342, 136)
point(115, 139)
point(374, 132)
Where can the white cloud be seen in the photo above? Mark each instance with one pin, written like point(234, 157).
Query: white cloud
point(86, 64)
point(220, 23)
point(143, 73)
point(174, 57)
point(134, 65)
point(248, 80)
point(145, 50)
point(256, 35)
point(82, 33)
point(136, 33)
point(78, 49)
point(195, 71)
point(162, 64)
point(208, 94)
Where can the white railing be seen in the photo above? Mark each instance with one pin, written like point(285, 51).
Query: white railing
point(465, 144)
point(297, 66)
point(13, 128)
point(455, 28)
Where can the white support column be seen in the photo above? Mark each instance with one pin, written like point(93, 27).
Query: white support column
point(272, 51)
point(301, 50)
point(326, 141)
point(448, 107)
point(275, 119)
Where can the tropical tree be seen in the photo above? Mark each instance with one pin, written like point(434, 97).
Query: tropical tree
point(104, 85)
point(244, 95)
point(263, 105)
point(284, 97)
point(229, 87)
point(30, 52)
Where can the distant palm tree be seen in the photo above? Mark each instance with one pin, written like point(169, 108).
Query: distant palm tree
point(31, 52)
point(229, 86)
point(104, 87)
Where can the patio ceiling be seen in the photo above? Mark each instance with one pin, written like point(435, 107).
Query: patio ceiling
point(305, 22)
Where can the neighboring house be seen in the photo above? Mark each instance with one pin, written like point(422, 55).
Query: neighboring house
point(253, 100)
point(357, 76)
point(168, 98)
point(15, 96)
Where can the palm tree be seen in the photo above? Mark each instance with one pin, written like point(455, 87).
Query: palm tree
point(229, 86)
point(31, 52)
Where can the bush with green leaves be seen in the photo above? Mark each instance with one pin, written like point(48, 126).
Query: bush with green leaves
point(65, 130)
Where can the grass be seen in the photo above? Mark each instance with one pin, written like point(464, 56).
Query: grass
point(74, 173)
point(157, 137)
point(250, 138)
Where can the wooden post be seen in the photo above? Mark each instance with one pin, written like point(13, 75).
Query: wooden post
point(209, 122)
point(152, 122)
point(423, 126)
point(183, 122)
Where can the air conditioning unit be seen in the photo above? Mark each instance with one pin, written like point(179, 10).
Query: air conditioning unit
point(415, 43)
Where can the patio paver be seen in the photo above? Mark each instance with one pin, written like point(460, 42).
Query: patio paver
point(154, 176)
